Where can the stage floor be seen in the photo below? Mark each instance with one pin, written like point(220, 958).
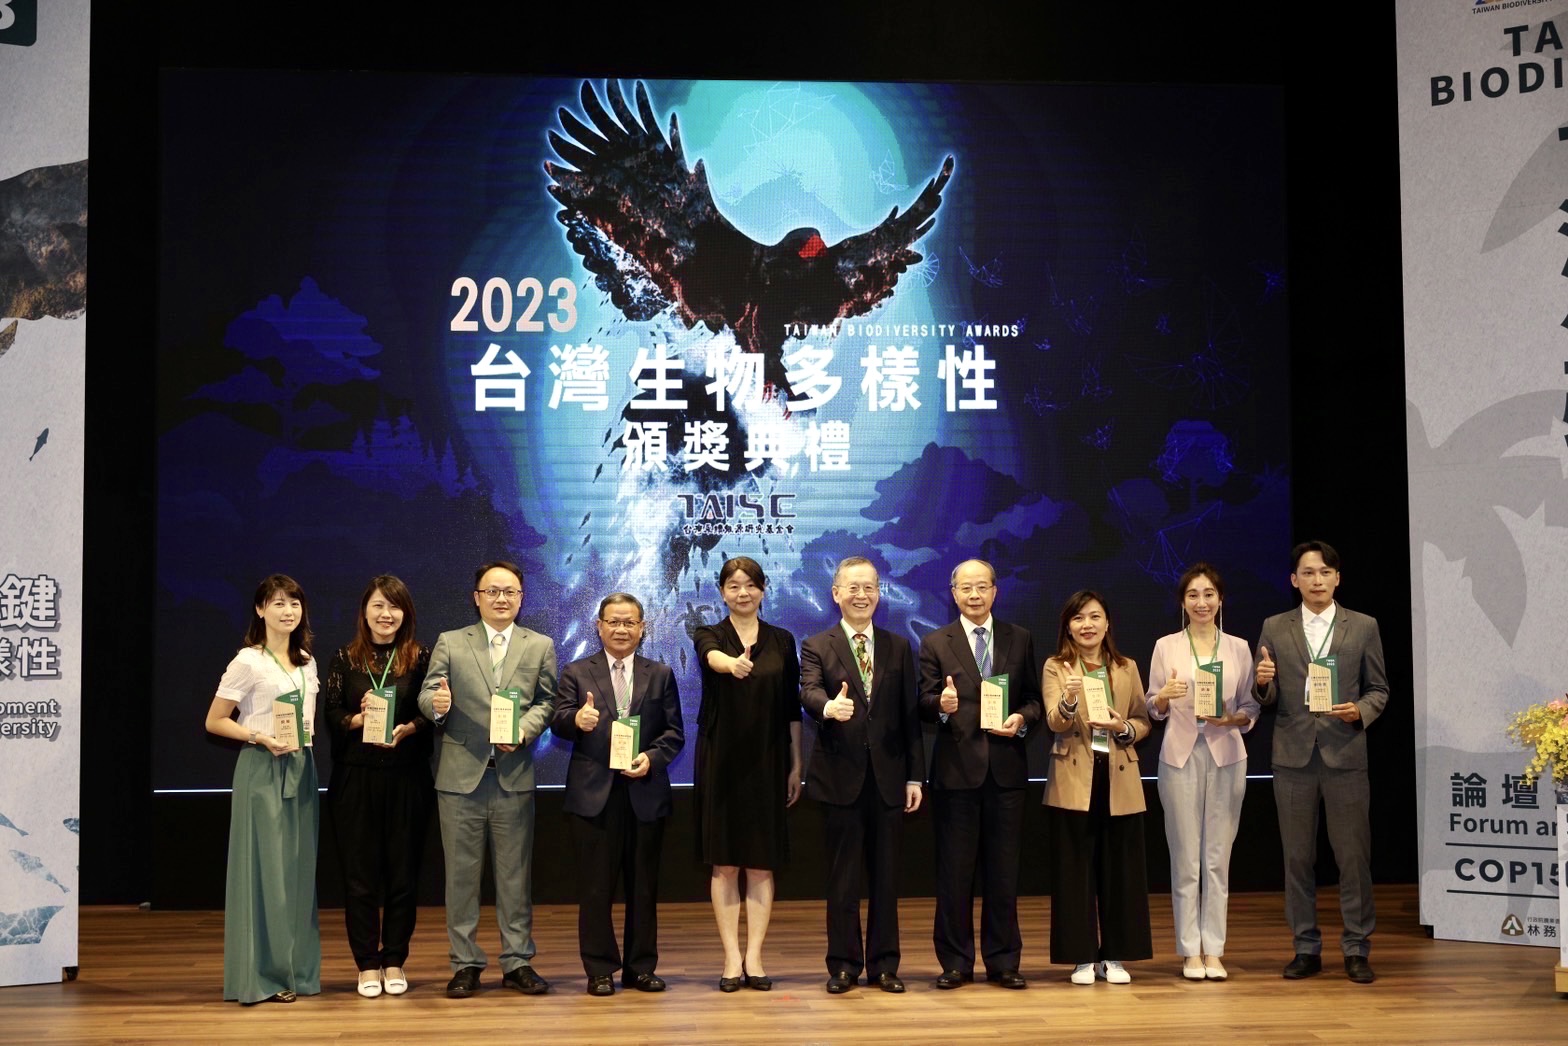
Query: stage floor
point(157, 977)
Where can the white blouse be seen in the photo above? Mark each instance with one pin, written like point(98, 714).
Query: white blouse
point(253, 679)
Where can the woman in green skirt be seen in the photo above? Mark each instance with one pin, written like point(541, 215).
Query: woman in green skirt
point(267, 699)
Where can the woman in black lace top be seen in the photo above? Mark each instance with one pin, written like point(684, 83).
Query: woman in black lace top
point(380, 793)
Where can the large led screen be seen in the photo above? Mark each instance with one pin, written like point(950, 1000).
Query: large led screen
point(619, 331)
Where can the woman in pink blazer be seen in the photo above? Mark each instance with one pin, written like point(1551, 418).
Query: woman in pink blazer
point(1203, 765)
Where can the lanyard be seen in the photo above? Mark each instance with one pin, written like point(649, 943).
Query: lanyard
point(286, 672)
point(1212, 657)
point(382, 685)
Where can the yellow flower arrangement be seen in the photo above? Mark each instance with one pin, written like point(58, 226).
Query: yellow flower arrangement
point(1543, 727)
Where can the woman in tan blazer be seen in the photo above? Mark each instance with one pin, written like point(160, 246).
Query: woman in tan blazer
point(1094, 799)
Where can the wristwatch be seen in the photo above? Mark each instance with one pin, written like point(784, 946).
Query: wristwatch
point(252, 737)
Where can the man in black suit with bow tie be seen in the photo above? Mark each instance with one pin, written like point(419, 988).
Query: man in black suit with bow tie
point(618, 816)
point(858, 682)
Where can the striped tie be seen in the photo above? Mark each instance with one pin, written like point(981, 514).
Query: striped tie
point(497, 655)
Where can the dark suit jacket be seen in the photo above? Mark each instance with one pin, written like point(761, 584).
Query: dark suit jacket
point(656, 698)
point(886, 731)
point(963, 751)
point(1362, 680)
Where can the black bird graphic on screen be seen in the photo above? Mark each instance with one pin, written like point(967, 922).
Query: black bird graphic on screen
point(647, 227)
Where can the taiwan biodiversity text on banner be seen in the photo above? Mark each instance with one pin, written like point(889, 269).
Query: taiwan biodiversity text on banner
point(1483, 137)
point(43, 332)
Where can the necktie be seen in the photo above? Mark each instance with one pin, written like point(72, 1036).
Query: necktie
point(497, 655)
point(623, 700)
point(863, 659)
point(982, 653)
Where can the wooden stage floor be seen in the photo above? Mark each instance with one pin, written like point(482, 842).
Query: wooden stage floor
point(157, 977)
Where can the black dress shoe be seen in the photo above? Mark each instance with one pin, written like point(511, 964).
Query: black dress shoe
point(732, 984)
point(599, 986)
point(889, 982)
point(646, 982)
point(463, 983)
point(840, 983)
point(1358, 969)
point(525, 980)
point(1303, 965)
point(1008, 979)
point(949, 980)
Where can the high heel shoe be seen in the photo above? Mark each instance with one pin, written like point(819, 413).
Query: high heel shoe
point(759, 982)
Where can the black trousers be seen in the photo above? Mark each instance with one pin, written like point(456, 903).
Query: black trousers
point(379, 817)
point(977, 838)
point(613, 846)
point(1100, 885)
point(863, 841)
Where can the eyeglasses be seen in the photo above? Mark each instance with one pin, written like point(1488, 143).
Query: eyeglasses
point(494, 594)
point(979, 589)
point(620, 624)
point(859, 590)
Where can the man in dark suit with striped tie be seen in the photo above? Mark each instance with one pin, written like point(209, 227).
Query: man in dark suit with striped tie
point(978, 778)
point(618, 816)
point(858, 682)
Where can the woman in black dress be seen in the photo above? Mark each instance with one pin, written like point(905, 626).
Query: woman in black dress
point(748, 764)
point(380, 794)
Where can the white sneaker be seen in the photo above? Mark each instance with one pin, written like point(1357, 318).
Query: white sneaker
point(1114, 973)
point(1084, 974)
point(370, 983)
point(1193, 969)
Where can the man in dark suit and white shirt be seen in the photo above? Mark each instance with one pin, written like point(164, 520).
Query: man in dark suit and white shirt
point(485, 791)
point(858, 682)
point(1323, 756)
point(978, 778)
point(618, 816)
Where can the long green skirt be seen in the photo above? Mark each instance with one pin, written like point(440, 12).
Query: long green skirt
point(271, 939)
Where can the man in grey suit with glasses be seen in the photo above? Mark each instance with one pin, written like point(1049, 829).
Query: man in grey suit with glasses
point(485, 791)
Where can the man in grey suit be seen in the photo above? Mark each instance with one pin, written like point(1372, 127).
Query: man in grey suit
point(1323, 756)
point(485, 791)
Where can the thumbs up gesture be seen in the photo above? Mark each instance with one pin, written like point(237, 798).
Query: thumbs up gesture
point(842, 706)
point(441, 700)
point(1265, 673)
point(1072, 686)
point(949, 697)
point(741, 666)
point(587, 716)
point(1173, 690)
